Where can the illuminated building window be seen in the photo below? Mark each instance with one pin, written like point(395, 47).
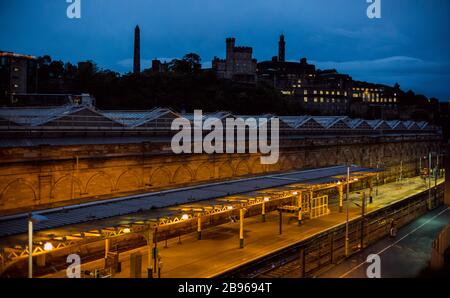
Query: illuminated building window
point(321, 92)
point(305, 92)
point(327, 92)
point(321, 99)
point(345, 93)
point(315, 91)
point(16, 86)
point(395, 99)
point(315, 99)
point(305, 99)
point(332, 100)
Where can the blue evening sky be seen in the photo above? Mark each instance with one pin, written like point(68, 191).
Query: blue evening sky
point(410, 44)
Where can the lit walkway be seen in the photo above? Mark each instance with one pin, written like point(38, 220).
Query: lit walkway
point(219, 250)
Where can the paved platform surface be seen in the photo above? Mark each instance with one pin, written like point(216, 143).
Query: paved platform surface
point(219, 250)
point(404, 256)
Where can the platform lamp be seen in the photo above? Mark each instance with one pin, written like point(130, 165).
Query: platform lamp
point(32, 218)
point(347, 197)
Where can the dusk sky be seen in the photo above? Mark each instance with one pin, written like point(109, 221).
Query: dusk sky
point(410, 44)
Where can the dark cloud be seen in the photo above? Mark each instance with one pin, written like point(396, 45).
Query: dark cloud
point(410, 42)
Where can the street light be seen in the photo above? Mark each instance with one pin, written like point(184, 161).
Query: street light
point(48, 246)
point(32, 218)
point(347, 206)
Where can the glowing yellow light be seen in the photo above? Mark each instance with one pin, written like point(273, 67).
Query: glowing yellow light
point(295, 193)
point(48, 246)
point(184, 217)
point(266, 199)
point(339, 183)
point(356, 179)
point(126, 230)
point(229, 207)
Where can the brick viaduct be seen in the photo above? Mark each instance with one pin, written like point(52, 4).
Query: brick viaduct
point(46, 176)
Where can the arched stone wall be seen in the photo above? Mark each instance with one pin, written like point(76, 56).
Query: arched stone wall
point(43, 184)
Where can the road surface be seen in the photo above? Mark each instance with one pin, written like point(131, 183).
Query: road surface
point(404, 256)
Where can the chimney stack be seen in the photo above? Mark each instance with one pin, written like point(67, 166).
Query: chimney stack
point(282, 49)
point(137, 51)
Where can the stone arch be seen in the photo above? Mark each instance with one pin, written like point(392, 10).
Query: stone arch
point(242, 168)
point(17, 193)
point(285, 163)
point(257, 167)
point(99, 184)
point(323, 158)
point(349, 155)
point(128, 180)
point(160, 177)
point(62, 188)
point(205, 171)
point(388, 152)
point(297, 162)
point(225, 170)
point(276, 167)
point(183, 174)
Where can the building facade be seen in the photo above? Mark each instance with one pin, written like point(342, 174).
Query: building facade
point(325, 92)
point(18, 74)
point(238, 65)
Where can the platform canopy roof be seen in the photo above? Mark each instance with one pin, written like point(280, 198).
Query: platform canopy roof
point(332, 122)
point(153, 206)
point(358, 124)
point(143, 118)
point(66, 115)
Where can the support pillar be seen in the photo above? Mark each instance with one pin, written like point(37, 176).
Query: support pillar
point(363, 213)
point(241, 227)
point(30, 247)
point(152, 253)
point(263, 211)
point(199, 227)
point(300, 209)
point(429, 182)
point(107, 246)
point(281, 221)
point(135, 265)
point(40, 260)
